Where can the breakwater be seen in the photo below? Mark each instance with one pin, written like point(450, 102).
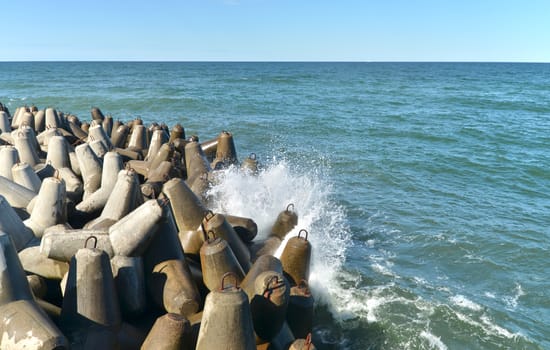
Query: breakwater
point(108, 241)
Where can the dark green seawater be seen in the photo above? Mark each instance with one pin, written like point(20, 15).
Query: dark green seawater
point(424, 186)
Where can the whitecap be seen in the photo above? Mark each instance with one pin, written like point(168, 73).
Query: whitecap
point(462, 301)
point(496, 329)
point(434, 341)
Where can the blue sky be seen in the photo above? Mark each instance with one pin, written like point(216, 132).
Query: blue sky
point(276, 30)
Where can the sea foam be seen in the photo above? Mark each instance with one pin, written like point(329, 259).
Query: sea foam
point(263, 196)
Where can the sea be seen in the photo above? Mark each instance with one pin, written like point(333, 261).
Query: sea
point(424, 187)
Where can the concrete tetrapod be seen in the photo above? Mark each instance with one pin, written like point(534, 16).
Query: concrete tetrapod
point(130, 284)
point(177, 132)
point(266, 247)
point(58, 153)
point(138, 138)
point(40, 120)
point(188, 212)
point(27, 119)
point(90, 304)
point(226, 320)
point(14, 285)
point(49, 207)
point(63, 244)
point(170, 332)
point(217, 224)
point(16, 195)
point(245, 228)
point(74, 126)
point(119, 135)
point(107, 124)
point(5, 126)
point(125, 197)
point(98, 148)
point(40, 265)
point(299, 314)
point(226, 153)
point(263, 263)
point(197, 166)
point(44, 137)
point(250, 164)
point(97, 133)
point(217, 259)
point(296, 258)
point(24, 175)
point(268, 304)
point(156, 177)
point(112, 165)
point(12, 224)
point(25, 142)
point(97, 114)
point(168, 277)
point(52, 119)
point(23, 325)
point(131, 235)
point(165, 153)
point(286, 221)
point(158, 138)
point(73, 185)
point(8, 158)
point(90, 167)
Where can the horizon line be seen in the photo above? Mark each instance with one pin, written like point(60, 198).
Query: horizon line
point(263, 61)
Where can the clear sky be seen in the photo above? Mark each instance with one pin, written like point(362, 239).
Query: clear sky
point(276, 30)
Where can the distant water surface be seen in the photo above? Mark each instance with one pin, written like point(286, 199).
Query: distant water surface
point(424, 186)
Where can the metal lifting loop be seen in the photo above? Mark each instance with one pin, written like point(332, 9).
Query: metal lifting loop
point(306, 233)
point(269, 290)
point(289, 206)
point(252, 156)
point(210, 236)
point(87, 239)
point(228, 274)
point(209, 215)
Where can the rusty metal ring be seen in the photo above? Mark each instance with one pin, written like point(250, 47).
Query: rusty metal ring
point(306, 233)
point(268, 291)
point(290, 205)
point(209, 236)
point(229, 274)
